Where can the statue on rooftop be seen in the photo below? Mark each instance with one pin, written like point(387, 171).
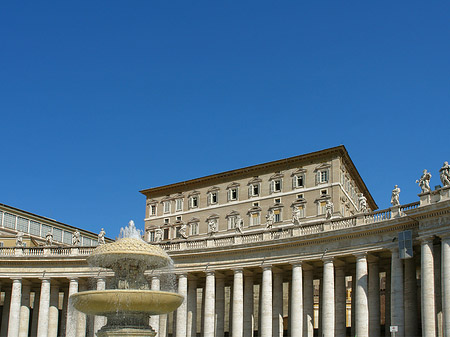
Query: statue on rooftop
point(239, 224)
point(75, 238)
point(424, 182)
point(212, 226)
point(270, 218)
point(49, 238)
point(329, 207)
point(158, 234)
point(101, 237)
point(395, 198)
point(19, 239)
point(444, 174)
point(362, 201)
point(182, 232)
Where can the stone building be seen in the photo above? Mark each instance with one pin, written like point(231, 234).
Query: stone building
point(317, 259)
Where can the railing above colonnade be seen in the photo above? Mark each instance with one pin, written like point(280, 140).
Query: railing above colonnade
point(287, 230)
point(45, 251)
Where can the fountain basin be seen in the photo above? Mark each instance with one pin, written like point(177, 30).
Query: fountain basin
point(112, 301)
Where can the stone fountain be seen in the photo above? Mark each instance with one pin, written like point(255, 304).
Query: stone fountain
point(130, 302)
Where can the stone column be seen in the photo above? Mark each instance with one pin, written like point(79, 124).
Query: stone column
point(25, 312)
point(238, 304)
point(327, 303)
point(340, 302)
point(5, 316)
point(427, 284)
point(209, 298)
point(266, 302)
point(308, 303)
point(44, 306)
point(100, 321)
point(192, 308)
point(397, 309)
point(411, 314)
point(81, 320)
point(220, 306)
point(53, 312)
point(296, 311)
point(277, 304)
point(35, 316)
point(374, 299)
point(362, 304)
point(14, 309)
point(72, 313)
point(445, 260)
point(248, 306)
point(387, 303)
point(182, 309)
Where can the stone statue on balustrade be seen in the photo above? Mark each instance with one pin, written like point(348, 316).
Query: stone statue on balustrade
point(49, 238)
point(212, 226)
point(75, 238)
point(296, 215)
point(158, 234)
point(101, 237)
point(270, 218)
point(329, 208)
point(424, 182)
point(395, 197)
point(19, 239)
point(239, 224)
point(362, 201)
point(444, 174)
point(182, 232)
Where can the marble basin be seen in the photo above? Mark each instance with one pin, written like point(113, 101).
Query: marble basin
point(112, 301)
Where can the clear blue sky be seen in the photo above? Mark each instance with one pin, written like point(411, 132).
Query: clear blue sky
point(100, 99)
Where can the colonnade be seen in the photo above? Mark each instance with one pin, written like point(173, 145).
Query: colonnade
point(41, 307)
point(408, 300)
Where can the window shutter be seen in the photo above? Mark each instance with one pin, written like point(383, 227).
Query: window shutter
point(294, 179)
point(271, 186)
point(281, 185)
point(250, 190)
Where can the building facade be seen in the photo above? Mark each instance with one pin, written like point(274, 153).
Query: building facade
point(310, 269)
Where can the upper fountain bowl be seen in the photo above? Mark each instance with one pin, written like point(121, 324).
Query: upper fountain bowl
point(129, 250)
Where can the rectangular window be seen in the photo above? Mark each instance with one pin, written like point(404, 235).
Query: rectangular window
point(152, 209)
point(177, 232)
point(298, 181)
point(194, 202)
point(213, 198)
point(151, 236)
point(322, 207)
point(323, 176)
point(276, 185)
point(166, 234)
point(231, 222)
point(256, 204)
point(277, 200)
point(166, 221)
point(179, 205)
point(323, 192)
point(300, 196)
point(194, 228)
point(301, 212)
point(178, 218)
point(166, 206)
point(277, 215)
point(254, 190)
point(254, 219)
point(233, 194)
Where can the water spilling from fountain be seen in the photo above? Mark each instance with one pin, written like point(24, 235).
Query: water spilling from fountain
point(128, 302)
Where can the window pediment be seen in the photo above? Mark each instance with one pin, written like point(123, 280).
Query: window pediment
point(254, 209)
point(233, 213)
point(323, 198)
point(166, 198)
point(193, 193)
point(194, 220)
point(213, 189)
point(298, 171)
point(298, 202)
point(277, 175)
point(152, 202)
point(212, 217)
point(276, 206)
point(254, 180)
point(233, 185)
point(322, 166)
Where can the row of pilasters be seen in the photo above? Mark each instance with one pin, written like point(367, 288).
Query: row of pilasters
point(46, 319)
point(401, 308)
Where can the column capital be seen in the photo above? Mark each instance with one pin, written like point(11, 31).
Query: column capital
point(237, 270)
point(360, 255)
point(181, 274)
point(425, 239)
point(266, 267)
point(297, 264)
point(210, 272)
point(444, 236)
point(328, 259)
point(45, 279)
point(73, 279)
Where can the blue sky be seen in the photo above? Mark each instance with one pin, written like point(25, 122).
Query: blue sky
point(99, 100)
